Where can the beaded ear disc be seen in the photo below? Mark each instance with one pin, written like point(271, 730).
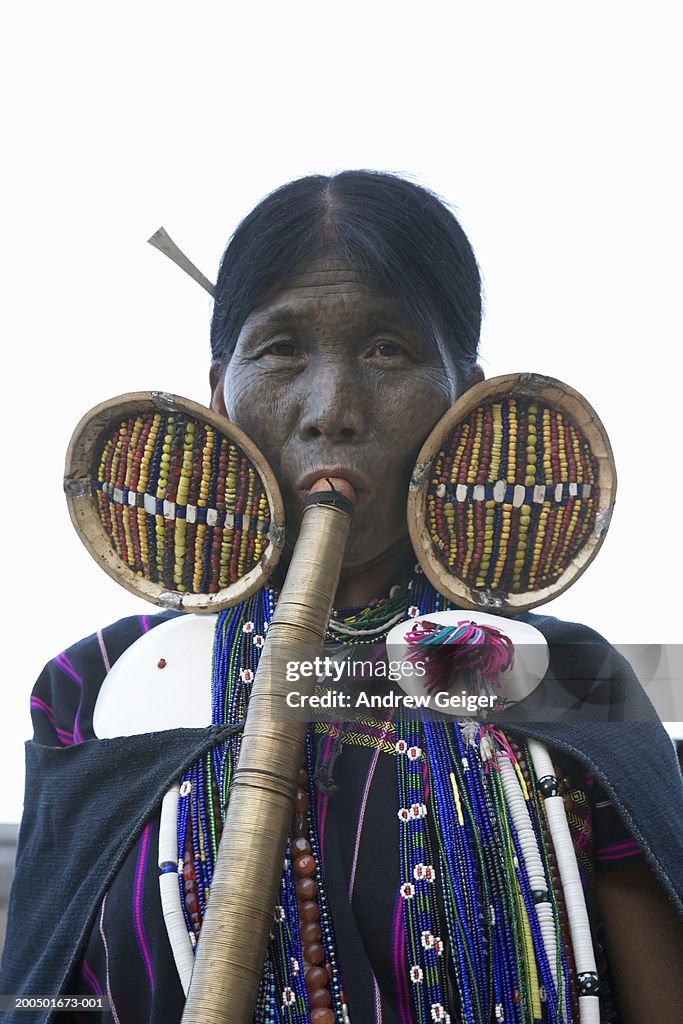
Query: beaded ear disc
point(512, 494)
point(173, 501)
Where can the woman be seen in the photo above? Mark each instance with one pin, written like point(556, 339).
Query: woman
point(346, 322)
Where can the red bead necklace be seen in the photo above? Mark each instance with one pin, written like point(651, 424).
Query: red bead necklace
point(317, 974)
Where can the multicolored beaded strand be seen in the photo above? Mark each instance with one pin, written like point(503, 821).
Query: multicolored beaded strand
point(425, 944)
point(477, 836)
point(464, 884)
point(505, 945)
point(528, 843)
point(539, 992)
point(563, 937)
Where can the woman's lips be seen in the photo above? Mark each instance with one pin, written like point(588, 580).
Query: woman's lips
point(359, 482)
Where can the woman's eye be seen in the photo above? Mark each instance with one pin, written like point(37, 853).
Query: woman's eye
point(386, 349)
point(282, 348)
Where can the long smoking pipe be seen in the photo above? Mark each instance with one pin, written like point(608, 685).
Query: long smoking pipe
point(244, 891)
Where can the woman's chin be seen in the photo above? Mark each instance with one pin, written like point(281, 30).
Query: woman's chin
point(361, 557)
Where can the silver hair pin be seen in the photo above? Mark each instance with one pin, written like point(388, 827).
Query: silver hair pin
point(161, 240)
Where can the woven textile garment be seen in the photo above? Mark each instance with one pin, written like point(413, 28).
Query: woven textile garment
point(86, 871)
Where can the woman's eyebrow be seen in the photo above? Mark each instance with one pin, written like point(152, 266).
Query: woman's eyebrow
point(283, 314)
point(390, 317)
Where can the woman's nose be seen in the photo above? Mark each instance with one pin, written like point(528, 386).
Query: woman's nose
point(331, 406)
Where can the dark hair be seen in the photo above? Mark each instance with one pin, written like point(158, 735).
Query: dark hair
point(398, 235)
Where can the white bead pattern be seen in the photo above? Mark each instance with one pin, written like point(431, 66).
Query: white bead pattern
point(174, 919)
point(577, 914)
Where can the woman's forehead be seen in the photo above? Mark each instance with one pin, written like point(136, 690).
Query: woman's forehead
point(334, 272)
point(332, 282)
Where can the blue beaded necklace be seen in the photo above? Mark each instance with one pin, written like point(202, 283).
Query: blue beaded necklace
point(497, 951)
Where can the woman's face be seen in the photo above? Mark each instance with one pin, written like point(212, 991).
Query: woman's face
point(329, 378)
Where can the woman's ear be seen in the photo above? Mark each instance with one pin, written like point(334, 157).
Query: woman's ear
point(216, 381)
point(469, 377)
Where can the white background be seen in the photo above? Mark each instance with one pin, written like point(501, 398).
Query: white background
point(553, 128)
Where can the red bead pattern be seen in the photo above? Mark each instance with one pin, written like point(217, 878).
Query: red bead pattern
point(316, 973)
point(190, 887)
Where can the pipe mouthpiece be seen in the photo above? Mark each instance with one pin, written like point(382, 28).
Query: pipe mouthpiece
point(329, 484)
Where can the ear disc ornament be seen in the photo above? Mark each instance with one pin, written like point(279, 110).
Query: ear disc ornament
point(173, 501)
point(512, 494)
